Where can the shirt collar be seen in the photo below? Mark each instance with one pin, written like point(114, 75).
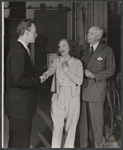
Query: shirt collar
point(71, 60)
point(94, 46)
point(23, 44)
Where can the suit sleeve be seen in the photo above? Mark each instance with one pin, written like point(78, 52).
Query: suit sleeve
point(78, 77)
point(109, 69)
point(18, 71)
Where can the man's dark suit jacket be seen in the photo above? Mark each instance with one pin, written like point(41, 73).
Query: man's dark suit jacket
point(102, 65)
point(20, 98)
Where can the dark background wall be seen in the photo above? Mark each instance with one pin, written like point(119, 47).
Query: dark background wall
point(52, 25)
point(114, 30)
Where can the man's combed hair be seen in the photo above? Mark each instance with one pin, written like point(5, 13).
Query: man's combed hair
point(24, 25)
point(100, 30)
point(73, 48)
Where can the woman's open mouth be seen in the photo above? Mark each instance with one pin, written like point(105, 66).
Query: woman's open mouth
point(62, 51)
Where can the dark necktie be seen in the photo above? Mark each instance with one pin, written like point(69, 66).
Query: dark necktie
point(30, 55)
point(92, 51)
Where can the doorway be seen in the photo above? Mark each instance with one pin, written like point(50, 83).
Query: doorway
point(51, 26)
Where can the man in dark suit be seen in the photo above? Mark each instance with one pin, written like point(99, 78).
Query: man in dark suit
point(20, 99)
point(99, 64)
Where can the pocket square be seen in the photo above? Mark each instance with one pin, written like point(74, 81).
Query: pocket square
point(99, 58)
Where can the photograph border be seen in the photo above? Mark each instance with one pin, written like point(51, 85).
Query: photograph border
point(2, 66)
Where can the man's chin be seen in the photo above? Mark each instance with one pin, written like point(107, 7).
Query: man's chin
point(89, 41)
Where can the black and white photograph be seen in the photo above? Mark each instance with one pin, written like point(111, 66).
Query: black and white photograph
point(61, 74)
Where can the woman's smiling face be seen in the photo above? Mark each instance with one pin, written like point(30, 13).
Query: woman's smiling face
point(64, 48)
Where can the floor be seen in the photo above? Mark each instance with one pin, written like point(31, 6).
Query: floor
point(42, 126)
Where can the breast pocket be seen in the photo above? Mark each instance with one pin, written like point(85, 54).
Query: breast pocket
point(100, 64)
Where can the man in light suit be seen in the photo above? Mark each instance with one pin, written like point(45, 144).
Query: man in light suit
point(20, 98)
point(99, 64)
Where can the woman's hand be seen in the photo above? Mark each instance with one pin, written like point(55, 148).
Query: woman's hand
point(64, 64)
point(43, 77)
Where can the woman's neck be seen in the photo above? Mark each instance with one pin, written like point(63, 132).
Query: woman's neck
point(67, 57)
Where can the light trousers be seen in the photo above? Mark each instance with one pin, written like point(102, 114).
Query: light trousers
point(65, 111)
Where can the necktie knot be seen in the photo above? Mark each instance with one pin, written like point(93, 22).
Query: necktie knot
point(92, 51)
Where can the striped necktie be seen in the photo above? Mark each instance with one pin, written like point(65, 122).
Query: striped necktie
point(92, 51)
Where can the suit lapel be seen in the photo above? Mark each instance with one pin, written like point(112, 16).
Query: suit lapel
point(72, 60)
point(23, 47)
point(95, 55)
point(27, 53)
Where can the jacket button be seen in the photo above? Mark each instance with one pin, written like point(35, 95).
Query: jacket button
point(95, 66)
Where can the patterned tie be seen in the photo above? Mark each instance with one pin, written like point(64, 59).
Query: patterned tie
point(92, 51)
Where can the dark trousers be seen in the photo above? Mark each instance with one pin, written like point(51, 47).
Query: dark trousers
point(19, 132)
point(91, 124)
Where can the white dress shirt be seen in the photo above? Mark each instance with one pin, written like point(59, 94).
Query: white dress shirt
point(94, 46)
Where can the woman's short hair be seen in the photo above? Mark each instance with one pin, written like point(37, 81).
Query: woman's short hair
point(24, 25)
point(73, 48)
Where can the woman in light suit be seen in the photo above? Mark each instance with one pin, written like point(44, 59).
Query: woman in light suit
point(65, 106)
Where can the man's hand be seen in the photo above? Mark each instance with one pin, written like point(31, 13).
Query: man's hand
point(89, 74)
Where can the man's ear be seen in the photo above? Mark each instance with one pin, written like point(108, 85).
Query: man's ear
point(98, 36)
point(26, 32)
